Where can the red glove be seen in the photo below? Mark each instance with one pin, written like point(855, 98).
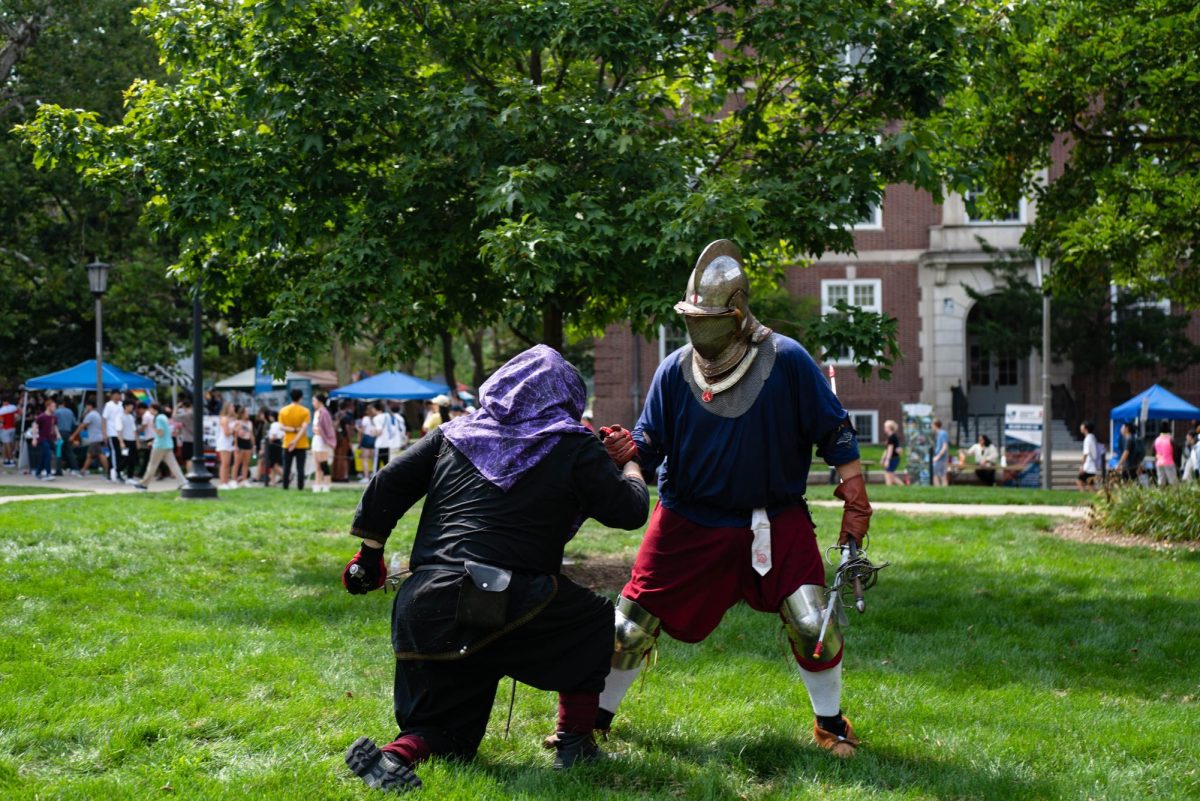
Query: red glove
point(856, 511)
point(619, 444)
point(365, 572)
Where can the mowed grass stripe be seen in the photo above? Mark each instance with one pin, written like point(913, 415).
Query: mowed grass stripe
point(151, 647)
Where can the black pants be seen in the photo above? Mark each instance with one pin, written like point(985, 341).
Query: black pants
point(129, 461)
point(114, 457)
point(566, 648)
point(67, 460)
point(299, 455)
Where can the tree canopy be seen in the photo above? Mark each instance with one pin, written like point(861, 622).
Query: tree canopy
point(51, 222)
point(392, 170)
point(1113, 84)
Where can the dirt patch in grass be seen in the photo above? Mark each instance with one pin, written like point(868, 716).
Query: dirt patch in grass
point(599, 573)
point(1083, 531)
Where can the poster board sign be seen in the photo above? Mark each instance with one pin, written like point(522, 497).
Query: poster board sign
point(918, 441)
point(1022, 445)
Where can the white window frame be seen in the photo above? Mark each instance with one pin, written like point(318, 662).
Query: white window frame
point(1022, 212)
point(874, 415)
point(850, 284)
point(663, 333)
point(876, 222)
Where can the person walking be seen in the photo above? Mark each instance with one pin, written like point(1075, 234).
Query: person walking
point(1191, 456)
point(162, 449)
point(275, 434)
point(185, 422)
point(8, 431)
point(504, 490)
point(343, 452)
point(244, 440)
point(90, 431)
point(64, 418)
point(45, 432)
point(324, 437)
point(1164, 457)
point(368, 438)
point(1133, 452)
point(891, 455)
point(941, 455)
point(1089, 462)
point(295, 419)
point(112, 426)
point(128, 436)
point(226, 446)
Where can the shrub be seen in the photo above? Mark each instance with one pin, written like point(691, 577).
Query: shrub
point(1164, 513)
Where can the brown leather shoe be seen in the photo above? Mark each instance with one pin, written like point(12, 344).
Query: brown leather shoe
point(841, 747)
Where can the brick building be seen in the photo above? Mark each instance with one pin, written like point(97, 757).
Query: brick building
point(914, 259)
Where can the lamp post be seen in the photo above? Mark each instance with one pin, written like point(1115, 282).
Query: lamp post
point(199, 480)
point(97, 272)
point(1043, 274)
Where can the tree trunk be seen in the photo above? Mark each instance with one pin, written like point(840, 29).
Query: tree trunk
point(448, 362)
point(552, 328)
point(341, 361)
point(475, 345)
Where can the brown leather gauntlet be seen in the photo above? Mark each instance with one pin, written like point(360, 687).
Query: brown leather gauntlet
point(856, 511)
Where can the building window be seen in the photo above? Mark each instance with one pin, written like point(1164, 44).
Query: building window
point(866, 423)
point(981, 367)
point(865, 294)
point(975, 217)
point(670, 339)
point(872, 220)
point(1006, 371)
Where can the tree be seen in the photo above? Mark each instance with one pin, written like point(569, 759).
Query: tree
point(1113, 85)
point(51, 222)
point(394, 170)
point(1094, 327)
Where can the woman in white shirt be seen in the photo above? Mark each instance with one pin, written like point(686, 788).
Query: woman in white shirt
point(368, 440)
point(986, 458)
point(226, 445)
point(1089, 464)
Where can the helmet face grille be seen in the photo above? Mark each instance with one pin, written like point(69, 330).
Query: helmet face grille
point(711, 335)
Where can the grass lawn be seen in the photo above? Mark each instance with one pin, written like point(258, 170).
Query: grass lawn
point(35, 490)
point(155, 648)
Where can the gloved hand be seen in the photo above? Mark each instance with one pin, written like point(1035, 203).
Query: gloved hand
point(365, 572)
point(619, 444)
point(856, 511)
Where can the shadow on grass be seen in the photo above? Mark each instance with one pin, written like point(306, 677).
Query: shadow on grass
point(733, 767)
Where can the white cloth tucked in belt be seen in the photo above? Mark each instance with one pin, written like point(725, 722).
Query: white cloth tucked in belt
point(760, 548)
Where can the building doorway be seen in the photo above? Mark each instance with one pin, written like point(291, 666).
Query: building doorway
point(993, 378)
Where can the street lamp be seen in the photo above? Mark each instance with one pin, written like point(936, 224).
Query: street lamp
point(97, 272)
point(199, 480)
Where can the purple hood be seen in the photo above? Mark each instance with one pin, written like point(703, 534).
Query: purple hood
point(524, 409)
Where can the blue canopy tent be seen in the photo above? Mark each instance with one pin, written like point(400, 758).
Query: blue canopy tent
point(1155, 403)
point(83, 376)
point(391, 386)
point(1160, 404)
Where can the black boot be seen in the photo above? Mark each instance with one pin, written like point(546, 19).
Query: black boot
point(571, 748)
point(379, 769)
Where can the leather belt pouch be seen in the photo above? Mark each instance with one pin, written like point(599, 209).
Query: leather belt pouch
point(483, 596)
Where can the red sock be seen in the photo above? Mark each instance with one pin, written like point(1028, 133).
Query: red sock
point(577, 712)
point(409, 747)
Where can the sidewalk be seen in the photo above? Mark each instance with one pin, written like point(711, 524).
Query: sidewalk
point(968, 509)
point(74, 487)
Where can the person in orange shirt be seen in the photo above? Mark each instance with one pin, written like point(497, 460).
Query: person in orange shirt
point(295, 419)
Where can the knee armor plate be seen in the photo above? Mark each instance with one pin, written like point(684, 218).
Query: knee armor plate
point(802, 613)
point(635, 634)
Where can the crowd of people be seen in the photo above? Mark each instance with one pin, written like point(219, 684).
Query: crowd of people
point(134, 440)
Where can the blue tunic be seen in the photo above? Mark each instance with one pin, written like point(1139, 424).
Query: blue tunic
point(716, 470)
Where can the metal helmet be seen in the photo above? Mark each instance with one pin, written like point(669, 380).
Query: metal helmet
point(716, 309)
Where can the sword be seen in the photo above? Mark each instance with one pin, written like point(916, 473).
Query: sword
point(854, 569)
